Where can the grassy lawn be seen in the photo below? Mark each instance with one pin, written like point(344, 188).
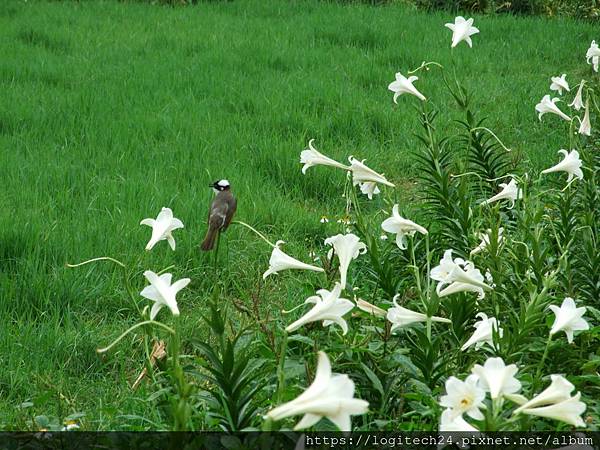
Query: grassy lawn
point(110, 111)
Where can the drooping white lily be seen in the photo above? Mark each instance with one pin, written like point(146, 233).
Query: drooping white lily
point(457, 275)
point(451, 422)
point(547, 105)
point(162, 292)
point(329, 395)
point(464, 397)
point(462, 30)
point(281, 261)
point(510, 192)
point(370, 308)
point(593, 54)
point(363, 174)
point(569, 318)
point(497, 378)
point(369, 188)
point(559, 83)
point(577, 102)
point(162, 228)
point(401, 227)
point(347, 247)
point(401, 317)
point(312, 157)
point(485, 240)
point(571, 164)
point(586, 126)
point(328, 307)
point(568, 411)
point(559, 390)
point(484, 332)
point(403, 85)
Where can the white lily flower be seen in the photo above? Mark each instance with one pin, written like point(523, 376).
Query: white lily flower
point(464, 397)
point(484, 332)
point(569, 318)
point(547, 105)
point(370, 308)
point(568, 411)
point(347, 247)
point(401, 317)
point(162, 292)
point(312, 157)
point(329, 395)
point(162, 227)
point(510, 192)
point(559, 390)
point(401, 227)
point(451, 422)
point(462, 30)
point(281, 261)
point(456, 276)
point(369, 188)
point(404, 85)
point(497, 378)
point(363, 174)
point(593, 54)
point(577, 102)
point(586, 126)
point(329, 308)
point(559, 83)
point(571, 164)
point(485, 240)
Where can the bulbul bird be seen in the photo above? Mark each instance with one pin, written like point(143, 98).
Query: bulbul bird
point(221, 212)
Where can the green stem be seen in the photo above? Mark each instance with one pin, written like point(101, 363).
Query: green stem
point(239, 222)
point(137, 325)
point(281, 369)
point(538, 373)
point(101, 258)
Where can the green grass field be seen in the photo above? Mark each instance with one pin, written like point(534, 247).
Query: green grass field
point(110, 111)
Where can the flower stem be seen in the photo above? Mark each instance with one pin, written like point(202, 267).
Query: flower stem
point(137, 325)
point(281, 369)
point(101, 258)
point(239, 222)
point(538, 373)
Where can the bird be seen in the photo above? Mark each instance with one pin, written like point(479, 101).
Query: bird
point(221, 212)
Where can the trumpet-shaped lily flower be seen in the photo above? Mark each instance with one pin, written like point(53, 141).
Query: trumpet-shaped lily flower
point(577, 102)
point(569, 318)
point(568, 411)
point(592, 56)
point(462, 30)
point(452, 422)
point(484, 332)
point(404, 85)
point(510, 192)
point(559, 390)
point(570, 164)
point(162, 292)
point(485, 240)
point(457, 275)
point(329, 395)
point(162, 228)
point(401, 227)
point(370, 308)
point(464, 397)
point(312, 157)
point(329, 308)
point(362, 174)
point(548, 105)
point(347, 247)
point(401, 317)
point(586, 126)
point(497, 378)
point(369, 188)
point(281, 261)
point(559, 83)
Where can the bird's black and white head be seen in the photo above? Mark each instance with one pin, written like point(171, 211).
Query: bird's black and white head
point(221, 185)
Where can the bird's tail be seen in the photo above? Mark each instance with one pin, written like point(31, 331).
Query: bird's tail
point(209, 241)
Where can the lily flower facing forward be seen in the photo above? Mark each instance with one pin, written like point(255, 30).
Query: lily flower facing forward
point(404, 85)
point(363, 175)
point(312, 157)
point(162, 292)
point(586, 126)
point(569, 318)
point(370, 308)
point(462, 30)
point(401, 227)
point(464, 397)
point(559, 390)
point(559, 83)
point(329, 395)
point(577, 102)
point(568, 411)
point(162, 228)
point(329, 308)
point(369, 188)
point(451, 422)
point(484, 332)
point(457, 275)
point(592, 56)
point(547, 105)
point(497, 378)
point(347, 247)
point(570, 164)
point(401, 317)
point(485, 240)
point(510, 192)
point(281, 261)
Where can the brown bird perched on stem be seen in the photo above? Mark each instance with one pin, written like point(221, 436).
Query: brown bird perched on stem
point(221, 212)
